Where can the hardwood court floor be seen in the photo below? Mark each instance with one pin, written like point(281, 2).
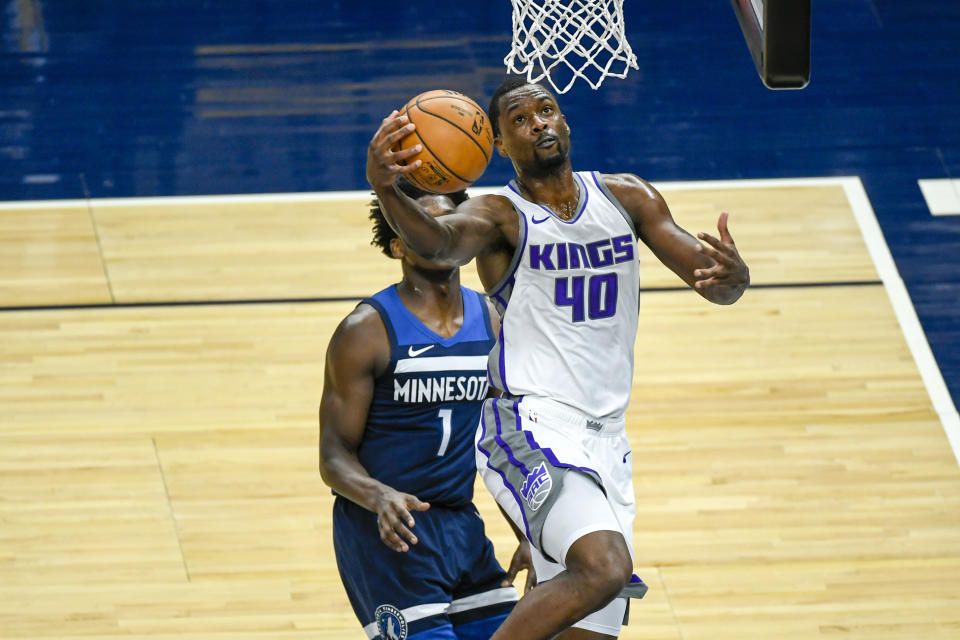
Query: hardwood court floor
point(158, 464)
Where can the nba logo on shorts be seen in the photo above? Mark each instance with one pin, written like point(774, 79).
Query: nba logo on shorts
point(536, 487)
point(390, 623)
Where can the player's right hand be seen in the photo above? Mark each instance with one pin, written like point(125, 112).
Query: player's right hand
point(522, 560)
point(385, 159)
point(394, 520)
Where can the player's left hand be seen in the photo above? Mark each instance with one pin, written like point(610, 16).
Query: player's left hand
point(729, 269)
point(522, 559)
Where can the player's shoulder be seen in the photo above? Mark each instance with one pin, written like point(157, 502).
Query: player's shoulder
point(488, 203)
point(627, 182)
point(484, 300)
point(360, 343)
point(361, 327)
point(633, 192)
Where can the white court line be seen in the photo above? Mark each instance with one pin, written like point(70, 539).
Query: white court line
point(856, 196)
point(886, 268)
point(315, 196)
point(326, 196)
point(942, 196)
point(906, 313)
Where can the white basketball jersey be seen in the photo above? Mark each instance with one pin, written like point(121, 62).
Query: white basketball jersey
point(569, 304)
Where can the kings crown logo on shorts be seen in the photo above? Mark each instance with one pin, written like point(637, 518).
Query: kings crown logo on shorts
point(537, 486)
point(390, 623)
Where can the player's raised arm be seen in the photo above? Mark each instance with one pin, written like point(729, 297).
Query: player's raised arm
point(354, 357)
point(715, 270)
point(455, 239)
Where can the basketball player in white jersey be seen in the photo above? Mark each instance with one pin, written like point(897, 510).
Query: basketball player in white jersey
point(557, 252)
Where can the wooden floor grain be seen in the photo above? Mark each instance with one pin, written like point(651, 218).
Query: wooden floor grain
point(158, 465)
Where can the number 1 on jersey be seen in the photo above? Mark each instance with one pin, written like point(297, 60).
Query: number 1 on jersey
point(446, 420)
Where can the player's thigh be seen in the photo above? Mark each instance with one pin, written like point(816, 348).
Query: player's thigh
point(480, 629)
point(580, 509)
point(443, 632)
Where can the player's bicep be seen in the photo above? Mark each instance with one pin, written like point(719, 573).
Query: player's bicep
point(672, 245)
point(343, 410)
point(477, 225)
point(348, 384)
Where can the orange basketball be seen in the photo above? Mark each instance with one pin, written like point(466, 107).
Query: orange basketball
point(456, 138)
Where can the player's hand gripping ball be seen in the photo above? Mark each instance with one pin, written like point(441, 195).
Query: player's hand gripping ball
point(456, 138)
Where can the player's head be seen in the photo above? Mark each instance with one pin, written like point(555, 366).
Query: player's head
point(528, 126)
point(508, 85)
point(436, 205)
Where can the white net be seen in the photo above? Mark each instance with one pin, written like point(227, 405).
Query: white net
point(562, 40)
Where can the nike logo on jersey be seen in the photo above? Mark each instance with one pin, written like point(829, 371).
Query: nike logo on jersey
point(535, 221)
point(413, 353)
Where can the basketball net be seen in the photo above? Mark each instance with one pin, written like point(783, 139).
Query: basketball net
point(585, 36)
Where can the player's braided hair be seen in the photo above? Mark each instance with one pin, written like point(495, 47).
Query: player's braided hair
point(382, 232)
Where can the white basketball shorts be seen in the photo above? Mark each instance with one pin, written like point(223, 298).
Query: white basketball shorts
point(559, 475)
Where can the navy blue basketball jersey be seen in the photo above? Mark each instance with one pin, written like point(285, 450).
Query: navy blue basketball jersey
point(426, 405)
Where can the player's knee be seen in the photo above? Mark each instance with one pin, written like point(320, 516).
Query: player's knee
point(611, 573)
point(602, 563)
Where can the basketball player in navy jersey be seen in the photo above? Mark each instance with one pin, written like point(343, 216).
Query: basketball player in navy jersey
point(557, 252)
point(404, 385)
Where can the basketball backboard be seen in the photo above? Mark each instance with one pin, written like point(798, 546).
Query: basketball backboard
point(778, 35)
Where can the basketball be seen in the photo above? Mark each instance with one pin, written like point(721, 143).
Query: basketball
point(456, 137)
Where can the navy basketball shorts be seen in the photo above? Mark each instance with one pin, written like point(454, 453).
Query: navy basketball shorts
point(446, 587)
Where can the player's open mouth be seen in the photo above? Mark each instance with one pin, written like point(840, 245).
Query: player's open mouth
point(546, 141)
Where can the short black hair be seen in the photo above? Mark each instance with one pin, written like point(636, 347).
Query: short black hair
point(508, 85)
point(383, 233)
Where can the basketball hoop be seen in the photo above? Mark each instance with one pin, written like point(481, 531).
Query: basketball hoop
point(585, 36)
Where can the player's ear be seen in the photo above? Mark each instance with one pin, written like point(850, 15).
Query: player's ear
point(397, 248)
point(498, 143)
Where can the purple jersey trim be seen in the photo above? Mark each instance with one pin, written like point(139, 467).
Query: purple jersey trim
point(506, 483)
point(616, 203)
point(551, 456)
point(583, 206)
point(503, 362)
point(503, 443)
point(510, 277)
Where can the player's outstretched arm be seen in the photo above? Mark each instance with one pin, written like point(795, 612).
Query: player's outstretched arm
point(715, 270)
point(456, 238)
point(358, 352)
